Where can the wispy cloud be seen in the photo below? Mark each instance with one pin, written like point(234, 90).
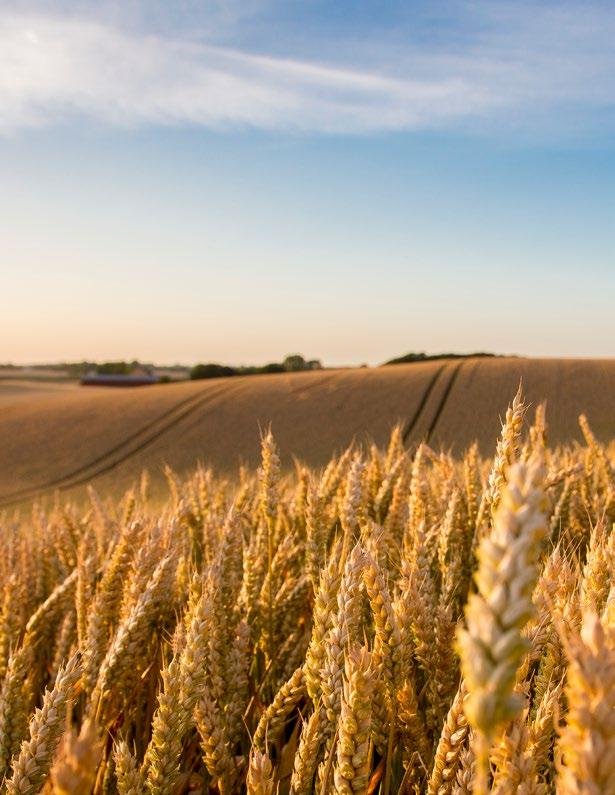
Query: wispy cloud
point(55, 68)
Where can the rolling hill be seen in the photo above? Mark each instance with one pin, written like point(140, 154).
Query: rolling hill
point(61, 436)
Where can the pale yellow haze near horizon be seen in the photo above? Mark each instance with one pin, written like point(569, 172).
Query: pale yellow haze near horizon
point(49, 316)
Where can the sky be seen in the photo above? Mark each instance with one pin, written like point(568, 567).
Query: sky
point(238, 180)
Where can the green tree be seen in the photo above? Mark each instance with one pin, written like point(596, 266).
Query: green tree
point(294, 363)
point(210, 370)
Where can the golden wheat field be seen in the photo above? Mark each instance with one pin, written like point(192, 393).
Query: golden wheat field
point(397, 621)
point(63, 437)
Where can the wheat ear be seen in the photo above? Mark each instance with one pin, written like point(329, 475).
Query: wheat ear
point(492, 646)
point(46, 728)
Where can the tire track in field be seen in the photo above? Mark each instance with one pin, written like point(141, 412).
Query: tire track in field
point(444, 400)
point(169, 413)
point(152, 431)
point(411, 424)
point(300, 390)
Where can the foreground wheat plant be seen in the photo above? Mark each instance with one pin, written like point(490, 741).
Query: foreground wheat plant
point(492, 646)
point(402, 621)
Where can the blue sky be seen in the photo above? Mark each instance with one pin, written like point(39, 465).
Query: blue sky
point(234, 181)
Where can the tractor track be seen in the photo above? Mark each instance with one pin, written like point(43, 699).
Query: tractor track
point(144, 437)
point(302, 389)
point(456, 369)
point(411, 424)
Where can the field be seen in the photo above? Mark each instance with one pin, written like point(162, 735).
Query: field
point(400, 620)
point(62, 436)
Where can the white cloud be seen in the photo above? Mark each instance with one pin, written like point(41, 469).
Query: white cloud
point(58, 68)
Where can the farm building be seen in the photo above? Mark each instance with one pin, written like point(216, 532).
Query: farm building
point(137, 377)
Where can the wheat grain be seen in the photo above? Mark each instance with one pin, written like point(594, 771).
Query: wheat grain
point(33, 764)
point(351, 771)
point(492, 645)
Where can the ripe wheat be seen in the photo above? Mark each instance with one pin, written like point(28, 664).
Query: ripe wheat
point(402, 622)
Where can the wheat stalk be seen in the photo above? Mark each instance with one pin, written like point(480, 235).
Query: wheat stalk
point(33, 764)
point(492, 645)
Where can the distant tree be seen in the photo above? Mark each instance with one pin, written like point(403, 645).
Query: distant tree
point(294, 363)
point(273, 367)
point(114, 368)
point(409, 358)
point(210, 370)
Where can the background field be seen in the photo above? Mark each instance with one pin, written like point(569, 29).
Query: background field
point(60, 436)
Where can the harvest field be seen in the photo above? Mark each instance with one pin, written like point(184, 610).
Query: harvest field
point(62, 436)
point(401, 621)
point(307, 418)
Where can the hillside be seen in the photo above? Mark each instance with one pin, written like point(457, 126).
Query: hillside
point(62, 436)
